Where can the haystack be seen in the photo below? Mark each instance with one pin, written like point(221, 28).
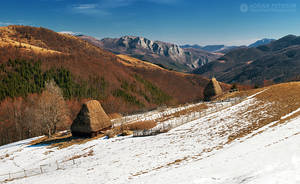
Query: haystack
point(212, 89)
point(90, 120)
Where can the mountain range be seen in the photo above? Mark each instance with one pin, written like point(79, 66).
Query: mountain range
point(225, 49)
point(261, 42)
point(278, 61)
point(185, 58)
point(167, 55)
point(212, 48)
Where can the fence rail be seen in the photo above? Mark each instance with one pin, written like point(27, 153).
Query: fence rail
point(178, 121)
point(45, 168)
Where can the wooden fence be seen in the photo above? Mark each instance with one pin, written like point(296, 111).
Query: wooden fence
point(45, 168)
point(178, 121)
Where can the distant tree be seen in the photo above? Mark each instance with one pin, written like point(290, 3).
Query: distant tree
point(256, 86)
point(234, 87)
point(51, 108)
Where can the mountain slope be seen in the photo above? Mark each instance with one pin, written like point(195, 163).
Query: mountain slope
point(261, 132)
point(212, 48)
point(126, 88)
point(263, 41)
point(277, 61)
point(165, 54)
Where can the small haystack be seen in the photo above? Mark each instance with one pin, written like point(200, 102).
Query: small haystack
point(90, 120)
point(212, 89)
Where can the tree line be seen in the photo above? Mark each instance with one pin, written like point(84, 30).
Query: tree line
point(32, 101)
point(35, 115)
point(18, 78)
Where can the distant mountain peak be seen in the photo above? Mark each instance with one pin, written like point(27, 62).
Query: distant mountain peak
point(263, 41)
point(169, 55)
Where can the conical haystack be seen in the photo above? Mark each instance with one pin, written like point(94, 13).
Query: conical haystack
point(90, 120)
point(212, 89)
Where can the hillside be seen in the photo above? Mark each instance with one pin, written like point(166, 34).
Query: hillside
point(32, 56)
point(168, 55)
point(250, 136)
point(276, 62)
point(89, 64)
point(263, 41)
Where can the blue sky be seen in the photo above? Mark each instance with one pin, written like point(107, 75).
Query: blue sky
point(230, 22)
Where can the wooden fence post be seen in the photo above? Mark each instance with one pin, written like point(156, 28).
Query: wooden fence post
point(57, 167)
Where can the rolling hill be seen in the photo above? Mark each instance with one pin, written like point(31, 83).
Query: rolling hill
point(225, 49)
point(263, 41)
point(121, 88)
point(278, 61)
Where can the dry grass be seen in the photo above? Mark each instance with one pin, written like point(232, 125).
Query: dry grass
point(27, 47)
point(115, 116)
point(62, 140)
point(281, 99)
point(127, 129)
point(133, 62)
point(140, 125)
point(90, 153)
point(190, 110)
point(237, 94)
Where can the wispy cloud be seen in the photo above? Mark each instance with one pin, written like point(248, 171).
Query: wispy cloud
point(168, 2)
point(85, 6)
point(5, 23)
point(88, 9)
point(103, 7)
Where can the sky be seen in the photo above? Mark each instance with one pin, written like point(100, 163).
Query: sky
point(203, 22)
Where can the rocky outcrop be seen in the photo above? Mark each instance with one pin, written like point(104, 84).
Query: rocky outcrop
point(168, 55)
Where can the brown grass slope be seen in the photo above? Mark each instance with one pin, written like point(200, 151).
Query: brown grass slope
point(271, 106)
point(85, 60)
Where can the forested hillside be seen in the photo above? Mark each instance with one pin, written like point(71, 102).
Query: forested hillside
point(31, 56)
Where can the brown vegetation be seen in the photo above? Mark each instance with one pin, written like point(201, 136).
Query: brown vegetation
point(197, 108)
point(127, 89)
point(35, 115)
point(140, 125)
point(115, 116)
point(84, 60)
point(279, 100)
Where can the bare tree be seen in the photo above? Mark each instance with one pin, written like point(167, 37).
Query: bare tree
point(51, 108)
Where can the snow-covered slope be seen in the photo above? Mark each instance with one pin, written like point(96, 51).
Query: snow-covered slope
point(200, 151)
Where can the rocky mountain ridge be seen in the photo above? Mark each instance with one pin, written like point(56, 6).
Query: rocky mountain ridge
point(168, 55)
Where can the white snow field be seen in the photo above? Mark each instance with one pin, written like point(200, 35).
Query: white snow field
point(197, 152)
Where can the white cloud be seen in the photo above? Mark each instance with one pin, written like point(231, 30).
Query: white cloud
point(85, 6)
point(69, 32)
point(5, 23)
